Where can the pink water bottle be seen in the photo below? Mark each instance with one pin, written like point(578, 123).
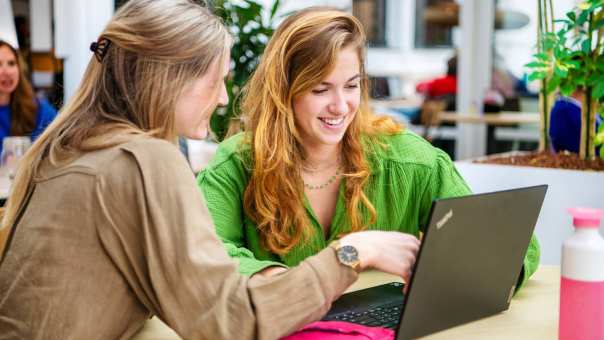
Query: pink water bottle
point(582, 282)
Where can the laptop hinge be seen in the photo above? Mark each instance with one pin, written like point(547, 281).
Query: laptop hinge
point(511, 293)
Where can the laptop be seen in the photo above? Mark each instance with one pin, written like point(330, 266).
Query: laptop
point(466, 269)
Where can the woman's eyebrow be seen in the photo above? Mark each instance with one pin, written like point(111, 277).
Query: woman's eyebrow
point(348, 81)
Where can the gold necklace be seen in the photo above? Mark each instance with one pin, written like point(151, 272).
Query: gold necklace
point(321, 186)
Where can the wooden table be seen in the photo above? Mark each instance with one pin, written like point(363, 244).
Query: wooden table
point(492, 121)
point(502, 118)
point(533, 313)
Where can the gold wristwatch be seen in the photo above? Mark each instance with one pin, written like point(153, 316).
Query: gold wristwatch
point(347, 255)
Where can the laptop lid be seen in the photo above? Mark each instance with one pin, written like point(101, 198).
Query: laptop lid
point(471, 257)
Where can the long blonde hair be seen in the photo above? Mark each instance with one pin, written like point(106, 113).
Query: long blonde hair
point(156, 48)
point(23, 103)
point(301, 53)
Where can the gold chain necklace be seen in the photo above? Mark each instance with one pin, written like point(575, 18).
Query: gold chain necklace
point(321, 186)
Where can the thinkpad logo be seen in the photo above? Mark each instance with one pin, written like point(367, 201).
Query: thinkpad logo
point(445, 219)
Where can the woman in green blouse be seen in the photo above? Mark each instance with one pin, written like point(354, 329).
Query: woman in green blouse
point(313, 162)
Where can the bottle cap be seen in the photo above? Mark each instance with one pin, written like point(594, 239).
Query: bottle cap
point(586, 217)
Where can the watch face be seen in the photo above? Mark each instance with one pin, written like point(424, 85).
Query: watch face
point(348, 254)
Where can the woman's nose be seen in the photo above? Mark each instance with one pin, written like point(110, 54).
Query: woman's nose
point(338, 104)
point(4, 69)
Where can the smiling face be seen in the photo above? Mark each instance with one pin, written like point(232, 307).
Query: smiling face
point(323, 113)
point(199, 100)
point(9, 73)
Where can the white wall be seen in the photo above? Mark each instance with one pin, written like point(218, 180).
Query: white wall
point(77, 24)
point(474, 73)
point(7, 23)
point(40, 25)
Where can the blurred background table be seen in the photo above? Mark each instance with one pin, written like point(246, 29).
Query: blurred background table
point(501, 118)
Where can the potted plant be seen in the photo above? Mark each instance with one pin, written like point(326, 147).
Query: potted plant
point(251, 29)
point(571, 58)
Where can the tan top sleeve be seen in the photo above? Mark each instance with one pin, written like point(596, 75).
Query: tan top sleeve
point(3, 234)
point(159, 234)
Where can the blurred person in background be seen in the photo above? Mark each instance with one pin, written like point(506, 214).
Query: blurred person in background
point(565, 122)
point(21, 113)
point(442, 88)
point(500, 96)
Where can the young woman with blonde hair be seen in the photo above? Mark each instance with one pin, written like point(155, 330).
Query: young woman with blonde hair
point(104, 222)
point(314, 163)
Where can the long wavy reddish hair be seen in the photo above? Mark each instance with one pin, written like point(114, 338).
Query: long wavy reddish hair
point(301, 53)
point(23, 103)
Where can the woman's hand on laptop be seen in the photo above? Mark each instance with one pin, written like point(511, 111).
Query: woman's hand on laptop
point(388, 251)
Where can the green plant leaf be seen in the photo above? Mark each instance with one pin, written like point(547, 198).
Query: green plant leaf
point(586, 46)
point(594, 79)
point(573, 63)
point(595, 5)
point(599, 140)
point(536, 64)
point(598, 91)
point(536, 75)
point(571, 15)
point(274, 9)
point(561, 71)
point(552, 84)
point(583, 17)
point(598, 24)
point(567, 88)
point(548, 44)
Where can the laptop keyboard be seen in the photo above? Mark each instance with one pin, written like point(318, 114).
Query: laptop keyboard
point(387, 315)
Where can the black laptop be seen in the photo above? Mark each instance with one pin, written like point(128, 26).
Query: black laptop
point(467, 267)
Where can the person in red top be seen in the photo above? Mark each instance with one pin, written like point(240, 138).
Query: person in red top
point(442, 86)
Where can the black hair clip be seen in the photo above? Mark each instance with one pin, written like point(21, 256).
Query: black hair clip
point(100, 48)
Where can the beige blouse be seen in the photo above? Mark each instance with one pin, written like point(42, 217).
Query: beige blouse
point(122, 234)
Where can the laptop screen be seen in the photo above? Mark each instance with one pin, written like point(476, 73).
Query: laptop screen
point(471, 257)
